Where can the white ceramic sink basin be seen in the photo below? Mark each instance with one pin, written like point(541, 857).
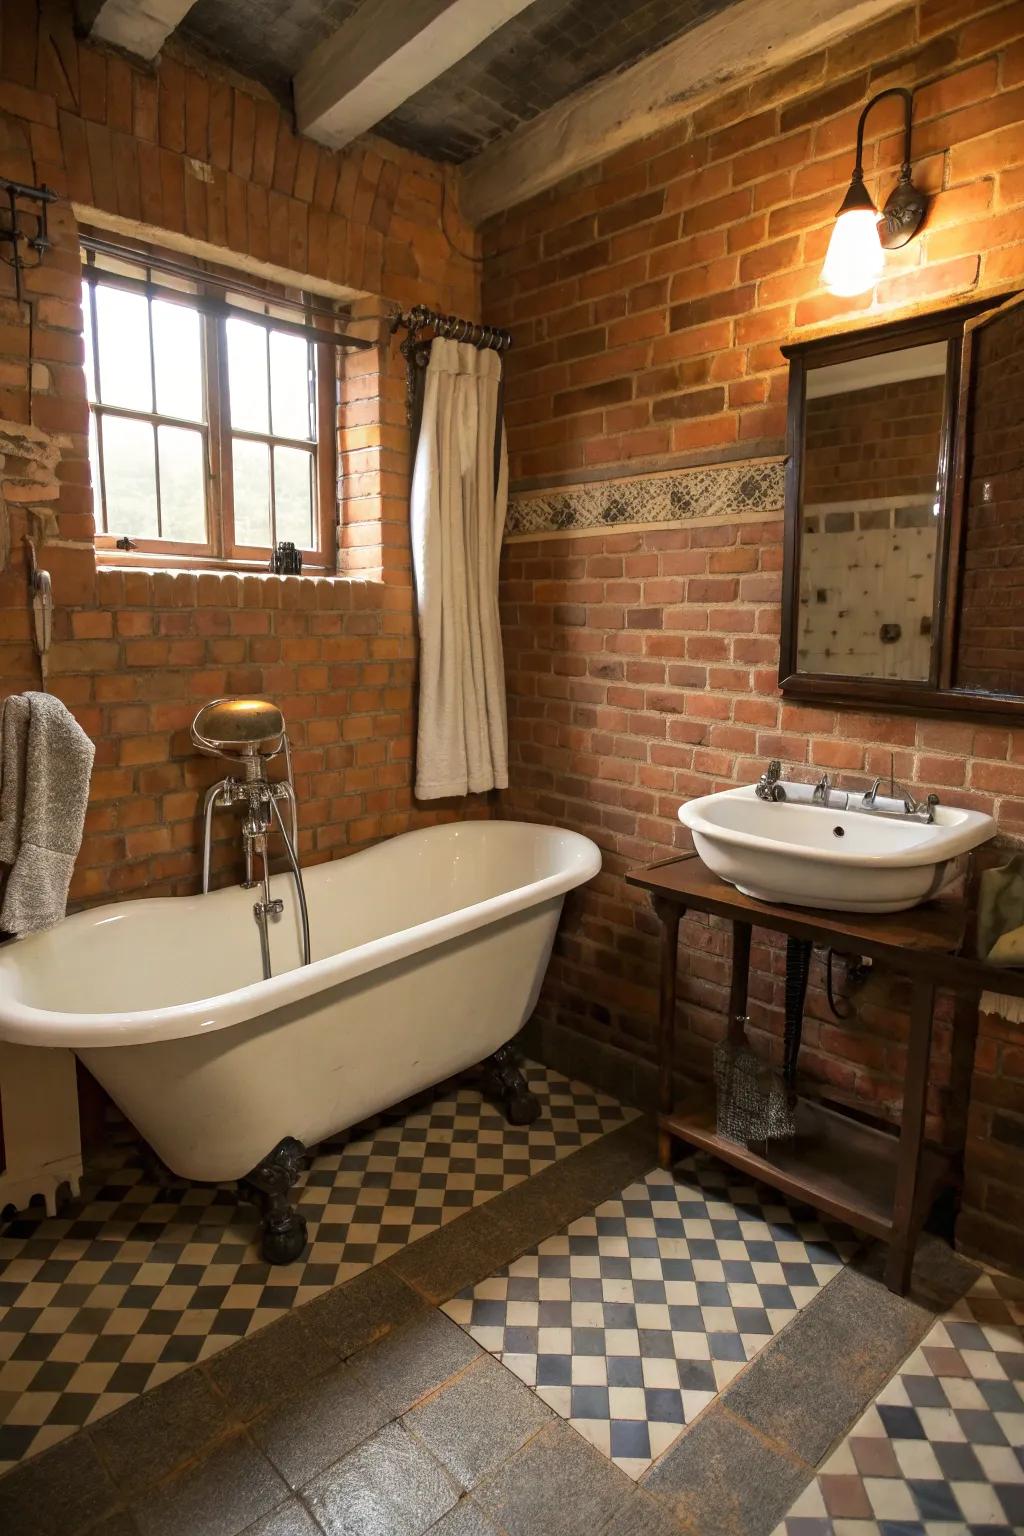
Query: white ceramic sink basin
point(806, 855)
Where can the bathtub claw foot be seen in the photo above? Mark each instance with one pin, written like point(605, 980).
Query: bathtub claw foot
point(284, 1238)
point(269, 1184)
point(503, 1080)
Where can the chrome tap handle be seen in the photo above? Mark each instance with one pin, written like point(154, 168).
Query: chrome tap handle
point(822, 791)
point(767, 786)
point(223, 786)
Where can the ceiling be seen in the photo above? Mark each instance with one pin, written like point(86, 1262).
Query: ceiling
point(551, 49)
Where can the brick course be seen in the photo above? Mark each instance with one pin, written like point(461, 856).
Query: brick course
point(643, 664)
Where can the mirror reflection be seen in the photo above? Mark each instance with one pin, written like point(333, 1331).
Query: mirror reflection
point(990, 635)
point(870, 513)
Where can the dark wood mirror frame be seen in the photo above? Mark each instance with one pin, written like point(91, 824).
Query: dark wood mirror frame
point(937, 695)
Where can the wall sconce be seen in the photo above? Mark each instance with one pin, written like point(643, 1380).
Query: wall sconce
point(854, 260)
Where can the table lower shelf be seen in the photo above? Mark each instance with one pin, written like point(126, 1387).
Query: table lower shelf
point(836, 1164)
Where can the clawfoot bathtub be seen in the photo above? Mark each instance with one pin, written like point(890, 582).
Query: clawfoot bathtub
point(428, 953)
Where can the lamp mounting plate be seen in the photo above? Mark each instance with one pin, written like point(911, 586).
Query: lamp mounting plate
point(902, 215)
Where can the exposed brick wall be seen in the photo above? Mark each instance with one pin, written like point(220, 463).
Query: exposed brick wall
point(650, 296)
point(191, 154)
point(874, 442)
point(990, 652)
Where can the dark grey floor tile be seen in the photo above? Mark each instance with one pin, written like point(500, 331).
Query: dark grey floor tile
point(607, 1165)
point(466, 1519)
point(292, 1519)
point(721, 1479)
point(479, 1420)
point(556, 1483)
point(490, 1236)
point(940, 1276)
point(642, 1515)
point(388, 1486)
point(220, 1495)
point(120, 1523)
point(160, 1431)
point(544, 1204)
point(458, 1254)
point(318, 1425)
point(415, 1359)
point(57, 1493)
point(260, 1370)
point(366, 1308)
point(810, 1383)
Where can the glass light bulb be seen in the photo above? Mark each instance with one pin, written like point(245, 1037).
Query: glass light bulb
point(854, 260)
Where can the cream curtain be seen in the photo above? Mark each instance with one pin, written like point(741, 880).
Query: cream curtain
point(459, 496)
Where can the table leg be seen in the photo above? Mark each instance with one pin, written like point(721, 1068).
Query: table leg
point(740, 974)
point(906, 1207)
point(669, 914)
point(961, 1072)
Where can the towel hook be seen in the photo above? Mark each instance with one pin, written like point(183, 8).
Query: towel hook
point(41, 598)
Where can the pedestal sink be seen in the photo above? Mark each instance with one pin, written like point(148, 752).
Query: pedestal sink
point(805, 854)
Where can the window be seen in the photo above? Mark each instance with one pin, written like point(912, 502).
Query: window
point(211, 422)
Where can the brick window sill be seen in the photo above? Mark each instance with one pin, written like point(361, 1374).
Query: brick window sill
point(122, 585)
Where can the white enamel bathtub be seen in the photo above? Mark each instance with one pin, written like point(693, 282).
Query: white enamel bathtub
point(428, 954)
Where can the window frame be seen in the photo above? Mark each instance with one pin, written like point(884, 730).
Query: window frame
point(221, 550)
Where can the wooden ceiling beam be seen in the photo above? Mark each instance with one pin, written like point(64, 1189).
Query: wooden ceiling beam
point(385, 53)
point(140, 27)
point(744, 41)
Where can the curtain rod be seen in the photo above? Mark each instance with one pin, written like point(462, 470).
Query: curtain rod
point(451, 327)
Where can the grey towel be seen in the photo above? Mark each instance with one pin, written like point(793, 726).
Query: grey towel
point(46, 759)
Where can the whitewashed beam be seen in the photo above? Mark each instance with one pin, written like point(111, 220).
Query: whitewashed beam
point(746, 40)
point(140, 27)
point(384, 54)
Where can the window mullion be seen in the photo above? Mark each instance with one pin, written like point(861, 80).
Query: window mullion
point(156, 435)
point(219, 411)
point(94, 328)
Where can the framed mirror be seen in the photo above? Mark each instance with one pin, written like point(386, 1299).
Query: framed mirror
point(904, 543)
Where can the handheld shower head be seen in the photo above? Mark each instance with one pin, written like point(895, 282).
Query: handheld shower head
point(239, 729)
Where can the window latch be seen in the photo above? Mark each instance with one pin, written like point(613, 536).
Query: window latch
point(125, 543)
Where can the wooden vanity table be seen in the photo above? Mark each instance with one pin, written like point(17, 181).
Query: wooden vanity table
point(876, 1181)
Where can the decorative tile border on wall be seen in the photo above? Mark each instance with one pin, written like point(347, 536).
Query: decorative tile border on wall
point(708, 492)
point(135, 1281)
point(631, 1321)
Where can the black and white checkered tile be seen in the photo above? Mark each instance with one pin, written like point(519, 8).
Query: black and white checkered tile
point(940, 1452)
point(135, 1281)
point(630, 1321)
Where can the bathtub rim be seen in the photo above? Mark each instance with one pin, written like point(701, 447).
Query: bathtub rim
point(22, 1024)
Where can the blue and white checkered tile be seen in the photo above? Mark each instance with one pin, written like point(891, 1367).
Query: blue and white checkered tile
point(634, 1318)
point(940, 1452)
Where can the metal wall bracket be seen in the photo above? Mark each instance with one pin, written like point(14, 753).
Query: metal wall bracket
point(36, 238)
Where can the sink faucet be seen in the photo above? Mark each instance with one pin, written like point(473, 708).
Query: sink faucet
point(768, 786)
point(914, 810)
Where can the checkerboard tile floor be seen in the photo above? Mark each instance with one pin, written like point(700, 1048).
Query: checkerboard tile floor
point(135, 1281)
point(634, 1318)
point(940, 1452)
